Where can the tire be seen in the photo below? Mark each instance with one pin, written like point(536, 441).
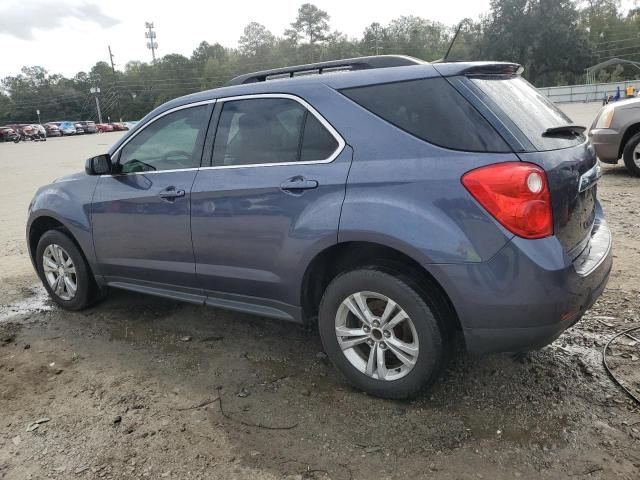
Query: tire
point(403, 380)
point(86, 290)
point(630, 161)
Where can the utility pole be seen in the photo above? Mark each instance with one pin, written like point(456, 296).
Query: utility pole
point(151, 44)
point(96, 91)
point(113, 67)
point(377, 32)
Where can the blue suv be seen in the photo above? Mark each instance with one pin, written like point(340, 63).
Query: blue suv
point(392, 201)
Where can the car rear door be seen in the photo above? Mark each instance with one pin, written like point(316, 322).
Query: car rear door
point(271, 197)
point(141, 216)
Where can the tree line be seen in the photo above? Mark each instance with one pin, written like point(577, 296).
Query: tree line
point(555, 40)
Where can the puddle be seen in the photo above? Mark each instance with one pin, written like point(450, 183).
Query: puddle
point(36, 303)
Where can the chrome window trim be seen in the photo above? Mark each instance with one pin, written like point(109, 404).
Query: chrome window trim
point(157, 117)
point(334, 133)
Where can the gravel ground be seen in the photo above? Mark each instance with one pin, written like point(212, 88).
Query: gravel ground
point(139, 387)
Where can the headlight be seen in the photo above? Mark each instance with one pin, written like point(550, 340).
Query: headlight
point(605, 118)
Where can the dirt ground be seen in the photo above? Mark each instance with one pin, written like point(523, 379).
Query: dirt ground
point(139, 387)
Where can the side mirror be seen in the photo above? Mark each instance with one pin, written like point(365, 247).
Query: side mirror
point(98, 165)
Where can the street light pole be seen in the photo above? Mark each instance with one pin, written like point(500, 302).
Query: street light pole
point(96, 91)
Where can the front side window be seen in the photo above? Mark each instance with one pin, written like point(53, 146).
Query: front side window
point(171, 142)
point(269, 131)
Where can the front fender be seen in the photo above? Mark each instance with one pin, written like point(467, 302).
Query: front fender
point(67, 201)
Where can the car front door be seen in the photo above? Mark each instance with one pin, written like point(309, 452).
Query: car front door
point(272, 196)
point(141, 214)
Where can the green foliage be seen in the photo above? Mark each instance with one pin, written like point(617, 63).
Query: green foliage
point(554, 39)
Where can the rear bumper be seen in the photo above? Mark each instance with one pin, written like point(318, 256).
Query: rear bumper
point(606, 143)
point(529, 293)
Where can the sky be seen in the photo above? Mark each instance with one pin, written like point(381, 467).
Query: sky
point(68, 36)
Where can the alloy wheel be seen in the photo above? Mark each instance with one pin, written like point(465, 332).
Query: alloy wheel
point(60, 271)
point(377, 336)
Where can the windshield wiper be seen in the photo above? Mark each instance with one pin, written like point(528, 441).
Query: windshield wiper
point(564, 131)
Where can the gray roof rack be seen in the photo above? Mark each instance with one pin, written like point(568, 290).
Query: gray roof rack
point(359, 63)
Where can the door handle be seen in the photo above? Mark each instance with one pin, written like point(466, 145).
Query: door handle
point(298, 183)
point(170, 193)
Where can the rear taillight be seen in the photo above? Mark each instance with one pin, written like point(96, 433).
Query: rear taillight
point(516, 194)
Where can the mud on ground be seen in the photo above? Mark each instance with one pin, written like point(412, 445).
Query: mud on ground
point(139, 387)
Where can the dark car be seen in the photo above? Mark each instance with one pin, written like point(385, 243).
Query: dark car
point(393, 204)
point(88, 126)
point(52, 130)
point(8, 134)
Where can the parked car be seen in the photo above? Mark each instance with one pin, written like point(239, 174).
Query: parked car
point(104, 127)
point(7, 134)
point(66, 128)
point(29, 132)
point(119, 127)
point(40, 130)
point(79, 128)
point(394, 204)
point(615, 134)
point(131, 124)
point(88, 126)
point(52, 130)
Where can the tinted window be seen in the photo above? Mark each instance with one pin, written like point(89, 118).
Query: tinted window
point(430, 109)
point(267, 131)
point(317, 142)
point(531, 111)
point(171, 142)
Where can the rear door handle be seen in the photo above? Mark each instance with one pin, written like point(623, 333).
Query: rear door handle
point(170, 193)
point(298, 183)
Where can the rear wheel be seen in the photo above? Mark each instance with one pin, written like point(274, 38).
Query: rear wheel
point(631, 155)
point(64, 272)
point(380, 333)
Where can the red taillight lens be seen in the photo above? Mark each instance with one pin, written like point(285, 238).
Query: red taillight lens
point(516, 194)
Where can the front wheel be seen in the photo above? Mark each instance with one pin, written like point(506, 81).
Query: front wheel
point(64, 272)
point(631, 154)
point(380, 333)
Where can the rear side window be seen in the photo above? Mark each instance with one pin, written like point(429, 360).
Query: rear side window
point(432, 110)
point(269, 131)
point(531, 111)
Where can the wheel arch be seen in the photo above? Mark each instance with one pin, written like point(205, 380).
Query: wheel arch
point(42, 224)
point(349, 255)
point(630, 131)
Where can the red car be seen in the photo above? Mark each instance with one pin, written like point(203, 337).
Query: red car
point(119, 127)
point(104, 127)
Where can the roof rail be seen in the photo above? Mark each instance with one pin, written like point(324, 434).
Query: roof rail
point(359, 63)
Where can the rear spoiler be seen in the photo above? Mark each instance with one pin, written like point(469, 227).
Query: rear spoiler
point(471, 69)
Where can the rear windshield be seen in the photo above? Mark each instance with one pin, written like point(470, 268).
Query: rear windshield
point(432, 110)
point(531, 111)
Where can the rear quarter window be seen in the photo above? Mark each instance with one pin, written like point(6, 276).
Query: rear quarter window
point(432, 110)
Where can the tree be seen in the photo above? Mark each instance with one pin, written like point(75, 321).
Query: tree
point(312, 23)
point(418, 37)
point(374, 39)
point(205, 51)
point(255, 40)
